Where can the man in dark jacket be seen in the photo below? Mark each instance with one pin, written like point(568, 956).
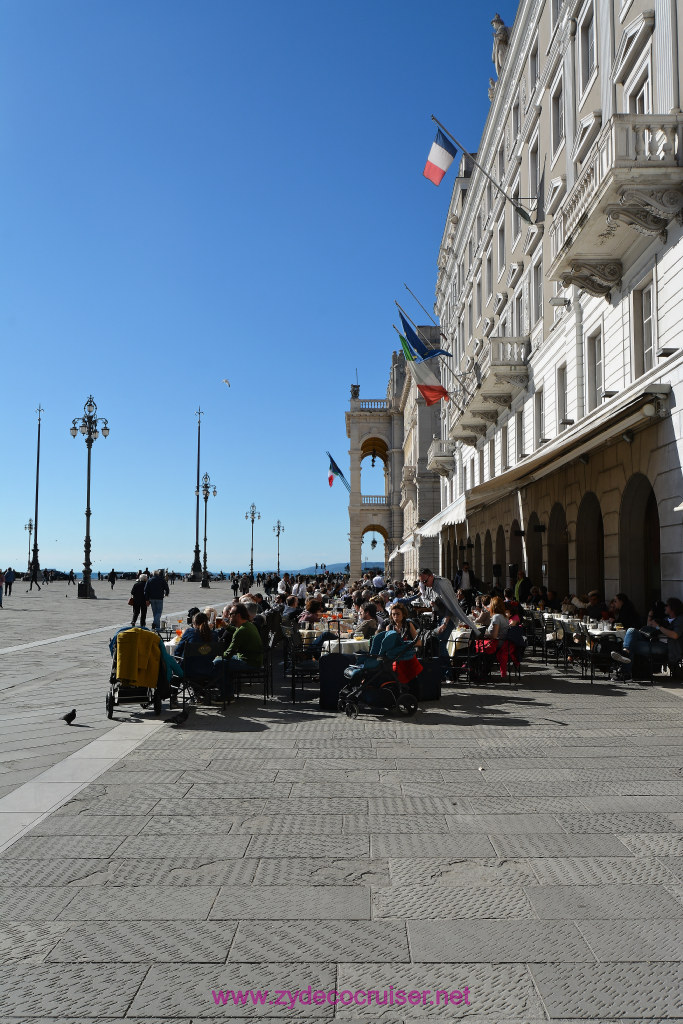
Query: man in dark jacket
point(156, 589)
point(466, 581)
point(139, 601)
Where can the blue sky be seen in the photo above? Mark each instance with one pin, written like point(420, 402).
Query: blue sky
point(208, 189)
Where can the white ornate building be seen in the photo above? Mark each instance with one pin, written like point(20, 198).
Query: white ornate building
point(560, 449)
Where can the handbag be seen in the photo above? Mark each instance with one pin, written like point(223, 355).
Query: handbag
point(131, 601)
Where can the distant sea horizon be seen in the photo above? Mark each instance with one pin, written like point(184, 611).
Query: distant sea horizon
point(310, 570)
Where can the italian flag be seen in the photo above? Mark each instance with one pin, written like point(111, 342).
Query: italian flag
point(426, 382)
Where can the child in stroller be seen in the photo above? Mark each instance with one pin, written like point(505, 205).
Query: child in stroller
point(374, 682)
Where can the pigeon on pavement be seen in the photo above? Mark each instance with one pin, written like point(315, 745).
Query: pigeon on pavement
point(68, 718)
point(178, 719)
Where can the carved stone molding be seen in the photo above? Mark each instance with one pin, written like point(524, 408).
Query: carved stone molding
point(597, 277)
point(489, 324)
point(476, 429)
point(516, 380)
point(514, 274)
point(637, 217)
point(503, 401)
point(488, 415)
point(662, 202)
point(499, 301)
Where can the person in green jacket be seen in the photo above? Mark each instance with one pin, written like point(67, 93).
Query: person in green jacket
point(245, 651)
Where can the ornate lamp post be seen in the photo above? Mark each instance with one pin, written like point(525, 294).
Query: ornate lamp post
point(277, 530)
point(206, 490)
point(29, 527)
point(34, 563)
point(89, 426)
point(252, 514)
point(196, 570)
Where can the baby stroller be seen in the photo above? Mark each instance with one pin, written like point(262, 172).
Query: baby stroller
point(141, 671)
point(373, 683)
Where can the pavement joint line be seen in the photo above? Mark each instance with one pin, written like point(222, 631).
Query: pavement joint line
point(82, 753)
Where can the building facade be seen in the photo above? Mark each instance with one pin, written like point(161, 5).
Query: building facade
point(559, 290)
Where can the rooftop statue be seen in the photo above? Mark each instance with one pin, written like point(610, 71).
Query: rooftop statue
point(501, 39)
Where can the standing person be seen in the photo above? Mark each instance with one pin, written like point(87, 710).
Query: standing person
point(156, 589)
point(72, 578)
point(235, 586)
point(439, 592)
point(245, 583)
point(10, 577)
point(522, 587)
point(34, 579)
point(466, 581)
point(2, 585)
point(112, 578)
point(139, 601)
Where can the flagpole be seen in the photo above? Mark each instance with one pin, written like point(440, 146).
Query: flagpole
point(451, 395)
point(456, 376)
point(524, 214)
point(425, 311)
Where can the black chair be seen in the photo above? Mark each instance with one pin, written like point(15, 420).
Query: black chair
point(301, 662)
point(263, 675)
point(200, 676)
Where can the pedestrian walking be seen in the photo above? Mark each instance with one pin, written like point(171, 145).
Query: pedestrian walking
point(34, 579)
point(156, 588)
point(10, 577)
point(139, 601)
point(2, 585)
point(112, 578)
point(72, 578)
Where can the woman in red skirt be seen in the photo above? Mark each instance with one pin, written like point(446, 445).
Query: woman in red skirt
point(399, 621)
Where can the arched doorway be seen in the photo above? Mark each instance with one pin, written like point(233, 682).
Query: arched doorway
point(488, 559)
point(378, 554)
point(639, 551)
point(501, 557)
point(534, 550)
point(590, 546)
point(558, 552)
point(516, 548)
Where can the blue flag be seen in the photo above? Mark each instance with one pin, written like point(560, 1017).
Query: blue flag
point(418, 346)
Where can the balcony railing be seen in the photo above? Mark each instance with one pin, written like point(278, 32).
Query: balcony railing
point(373, 499)
point(440, 456)
point(499, 374)
point(373, 403)
point(631, 150)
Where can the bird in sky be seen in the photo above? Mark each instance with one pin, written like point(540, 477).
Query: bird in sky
point(225, 381)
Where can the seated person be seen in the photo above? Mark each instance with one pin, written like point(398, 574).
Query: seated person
point(226, 630)
point(312, 614)
point(382, 613)
point(624, 611)
point(368, 621)
point(291, 613)
point(496, 635)
point(211, 612)
point(480, 612)
point(596, 609)
point(669, 648)
point(198, 631)
point(245, 651)
point(552, 601)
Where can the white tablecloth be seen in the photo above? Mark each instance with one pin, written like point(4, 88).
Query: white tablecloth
point(458, 641)
point(347, 646)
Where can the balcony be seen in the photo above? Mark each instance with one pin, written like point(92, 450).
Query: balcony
point(499, 374)
point(370, 404)
point(378, 500)
point(631, 180)
point(440, 457)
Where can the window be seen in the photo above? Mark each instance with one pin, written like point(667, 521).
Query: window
point(539, 418)
point(469, 320)
point(533, 67)
point(555, 10)
point(644, 328)
point(519, 433)
point(478, 232)
point(519, 316)
point(637, 89)
point(587, 43)
point(501, 164)
point(472, 472)
point(492, 459)
point(469, 254)
point(477, 293)
point(489, 274)
point(515, 121)
point(489, 197)
point(464, 478)
point(516, 219)
point(501, 247)
point(481, 465)
point(537, 291)
point(561, 386)
point(533, 169)
point(595, 370)
point(504, 448)
point(557, 116)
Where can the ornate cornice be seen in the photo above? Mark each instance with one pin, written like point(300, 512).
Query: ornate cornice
point(597, 277)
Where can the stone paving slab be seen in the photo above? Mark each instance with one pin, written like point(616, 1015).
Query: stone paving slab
point(601, 990)
point(322, 871)
point(29, 943)
point(324, 941)
point(309, 846)
point(178, 871)
point(460, 871)
point(292, 902)
point(136, 903)
point(70, 989)
point(438, 901)
point(497, 942)
point(144, 942)
point(661, 845)
point(211, 846)
point(174, 990)
point(596, 870)
point(603, 901)
point(66, 847)
point(639, 940)
point(91, 825)
point(473, 845)
point(619, 823)
point(557, 845)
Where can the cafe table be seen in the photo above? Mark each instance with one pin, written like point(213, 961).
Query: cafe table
point(346, 646)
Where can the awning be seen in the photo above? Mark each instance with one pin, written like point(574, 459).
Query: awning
point(407, 545)
point(393, 554)
point(634, 408)
point(449, 516)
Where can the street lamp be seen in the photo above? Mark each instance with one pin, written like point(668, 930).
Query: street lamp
point(34, 564)
point(277, 530)
point(89, 426)
point(206, 490)
point(29, 527)
point(252, 514)
point(196, 570)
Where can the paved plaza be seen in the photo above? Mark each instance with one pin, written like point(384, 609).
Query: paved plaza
point(509, 855)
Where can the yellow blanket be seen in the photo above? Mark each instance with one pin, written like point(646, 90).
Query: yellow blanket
point(137, 657)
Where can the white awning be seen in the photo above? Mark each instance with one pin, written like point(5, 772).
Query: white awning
point(407, 545)
point(454, 513)
point(393, 554)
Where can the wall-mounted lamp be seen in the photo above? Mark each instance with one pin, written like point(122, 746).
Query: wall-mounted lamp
point(523, 455)
point(539, 528)
point(628, 436)
point(544, 440)
point(519, 533)
point(566, 422)
point(609, 394)
point(559, 300)
point(584, 459)
point(469, 543)
point(664, 353)
point(649, 410)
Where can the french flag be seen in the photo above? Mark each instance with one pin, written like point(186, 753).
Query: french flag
point(440, 158)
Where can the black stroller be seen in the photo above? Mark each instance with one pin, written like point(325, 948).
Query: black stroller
point(372, 682)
